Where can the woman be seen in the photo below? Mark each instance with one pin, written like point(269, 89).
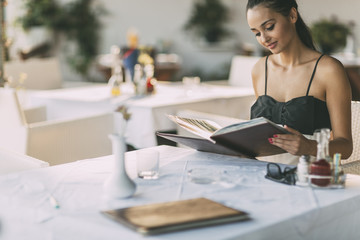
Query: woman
point(296, 86)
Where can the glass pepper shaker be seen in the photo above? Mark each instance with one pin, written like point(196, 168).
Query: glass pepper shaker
point(303, 170)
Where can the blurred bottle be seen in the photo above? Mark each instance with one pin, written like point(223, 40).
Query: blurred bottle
point(303, 170)
point(322, 167)
point(150, 80)
point(326, 135)
point(116, 72)
point(139, 80)
point(337, 169)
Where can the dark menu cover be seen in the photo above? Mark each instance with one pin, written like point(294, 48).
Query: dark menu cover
point(246, 139)
point(252, 140)
point(177, 215)
point(202, 144)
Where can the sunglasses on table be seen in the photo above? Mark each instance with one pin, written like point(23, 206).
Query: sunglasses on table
point(275, 173)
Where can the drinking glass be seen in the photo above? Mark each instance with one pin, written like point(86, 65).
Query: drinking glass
point(190, 84)
point(147, 163)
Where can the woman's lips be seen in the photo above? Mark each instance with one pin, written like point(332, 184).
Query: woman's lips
point(272, 45)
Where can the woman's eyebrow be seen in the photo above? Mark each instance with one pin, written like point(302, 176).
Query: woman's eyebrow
point(263, 24)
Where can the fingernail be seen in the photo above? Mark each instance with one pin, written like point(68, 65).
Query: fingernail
point(275, 136)
point(270, 140)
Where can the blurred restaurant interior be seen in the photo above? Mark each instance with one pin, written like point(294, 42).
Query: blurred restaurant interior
point(160, 25)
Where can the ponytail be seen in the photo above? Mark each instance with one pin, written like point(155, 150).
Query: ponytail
point(304, 33)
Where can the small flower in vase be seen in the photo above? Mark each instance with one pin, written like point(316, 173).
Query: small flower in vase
point(123, 110)
point(125, 116)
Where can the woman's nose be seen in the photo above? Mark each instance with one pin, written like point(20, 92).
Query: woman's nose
point(264, 38)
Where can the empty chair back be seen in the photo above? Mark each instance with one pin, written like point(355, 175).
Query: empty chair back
point(240, 71)
point(12, 121)
point(41, 73)
point(355, 129)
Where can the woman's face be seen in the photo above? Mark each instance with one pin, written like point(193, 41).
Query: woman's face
point(272, 30)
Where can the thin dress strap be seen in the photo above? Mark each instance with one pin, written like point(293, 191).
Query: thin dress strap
point(266, 61)
point(313, 74)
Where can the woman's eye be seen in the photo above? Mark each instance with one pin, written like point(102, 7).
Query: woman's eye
point(257, 35)
point(270, 28)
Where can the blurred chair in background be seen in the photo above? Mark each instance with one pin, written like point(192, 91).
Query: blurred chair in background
point(56, 141)
point(352, 164)
point(34, 73)
point(240, 71)
point(167, 66)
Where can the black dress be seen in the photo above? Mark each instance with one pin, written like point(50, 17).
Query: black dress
point(304, 114)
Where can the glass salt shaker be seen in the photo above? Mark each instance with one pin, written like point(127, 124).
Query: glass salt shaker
point(303, 170)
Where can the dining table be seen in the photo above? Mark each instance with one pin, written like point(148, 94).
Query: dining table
point(148, 112)
point(276, 210)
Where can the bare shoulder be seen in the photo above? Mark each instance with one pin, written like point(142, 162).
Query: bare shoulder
point(329, 66)
point(258, 76)
point(331, 71)
point(332, 76)
point(258, 69)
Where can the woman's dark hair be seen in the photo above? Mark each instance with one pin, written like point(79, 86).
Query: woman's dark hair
point(283, 7)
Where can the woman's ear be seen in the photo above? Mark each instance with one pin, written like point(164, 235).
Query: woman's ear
point(293, 15)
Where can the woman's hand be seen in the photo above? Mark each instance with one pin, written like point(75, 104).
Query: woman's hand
point(294, 143)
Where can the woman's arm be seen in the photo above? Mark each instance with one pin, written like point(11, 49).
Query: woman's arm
point(338, 101)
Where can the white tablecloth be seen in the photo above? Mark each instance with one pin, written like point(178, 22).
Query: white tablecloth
point(277, 211)
point(148, 113)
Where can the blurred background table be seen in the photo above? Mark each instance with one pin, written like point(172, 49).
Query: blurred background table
point(148, 112)
point(277, 210)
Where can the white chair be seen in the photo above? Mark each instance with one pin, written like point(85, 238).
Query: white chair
point(56, 141)
point(11, 161)
point(41, 73)
point(352, 164)
point(239, 76)
point(240, 72)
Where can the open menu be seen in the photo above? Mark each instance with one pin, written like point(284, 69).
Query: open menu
point(247, 138)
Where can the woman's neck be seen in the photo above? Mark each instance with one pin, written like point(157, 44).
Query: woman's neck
point(295, 54)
